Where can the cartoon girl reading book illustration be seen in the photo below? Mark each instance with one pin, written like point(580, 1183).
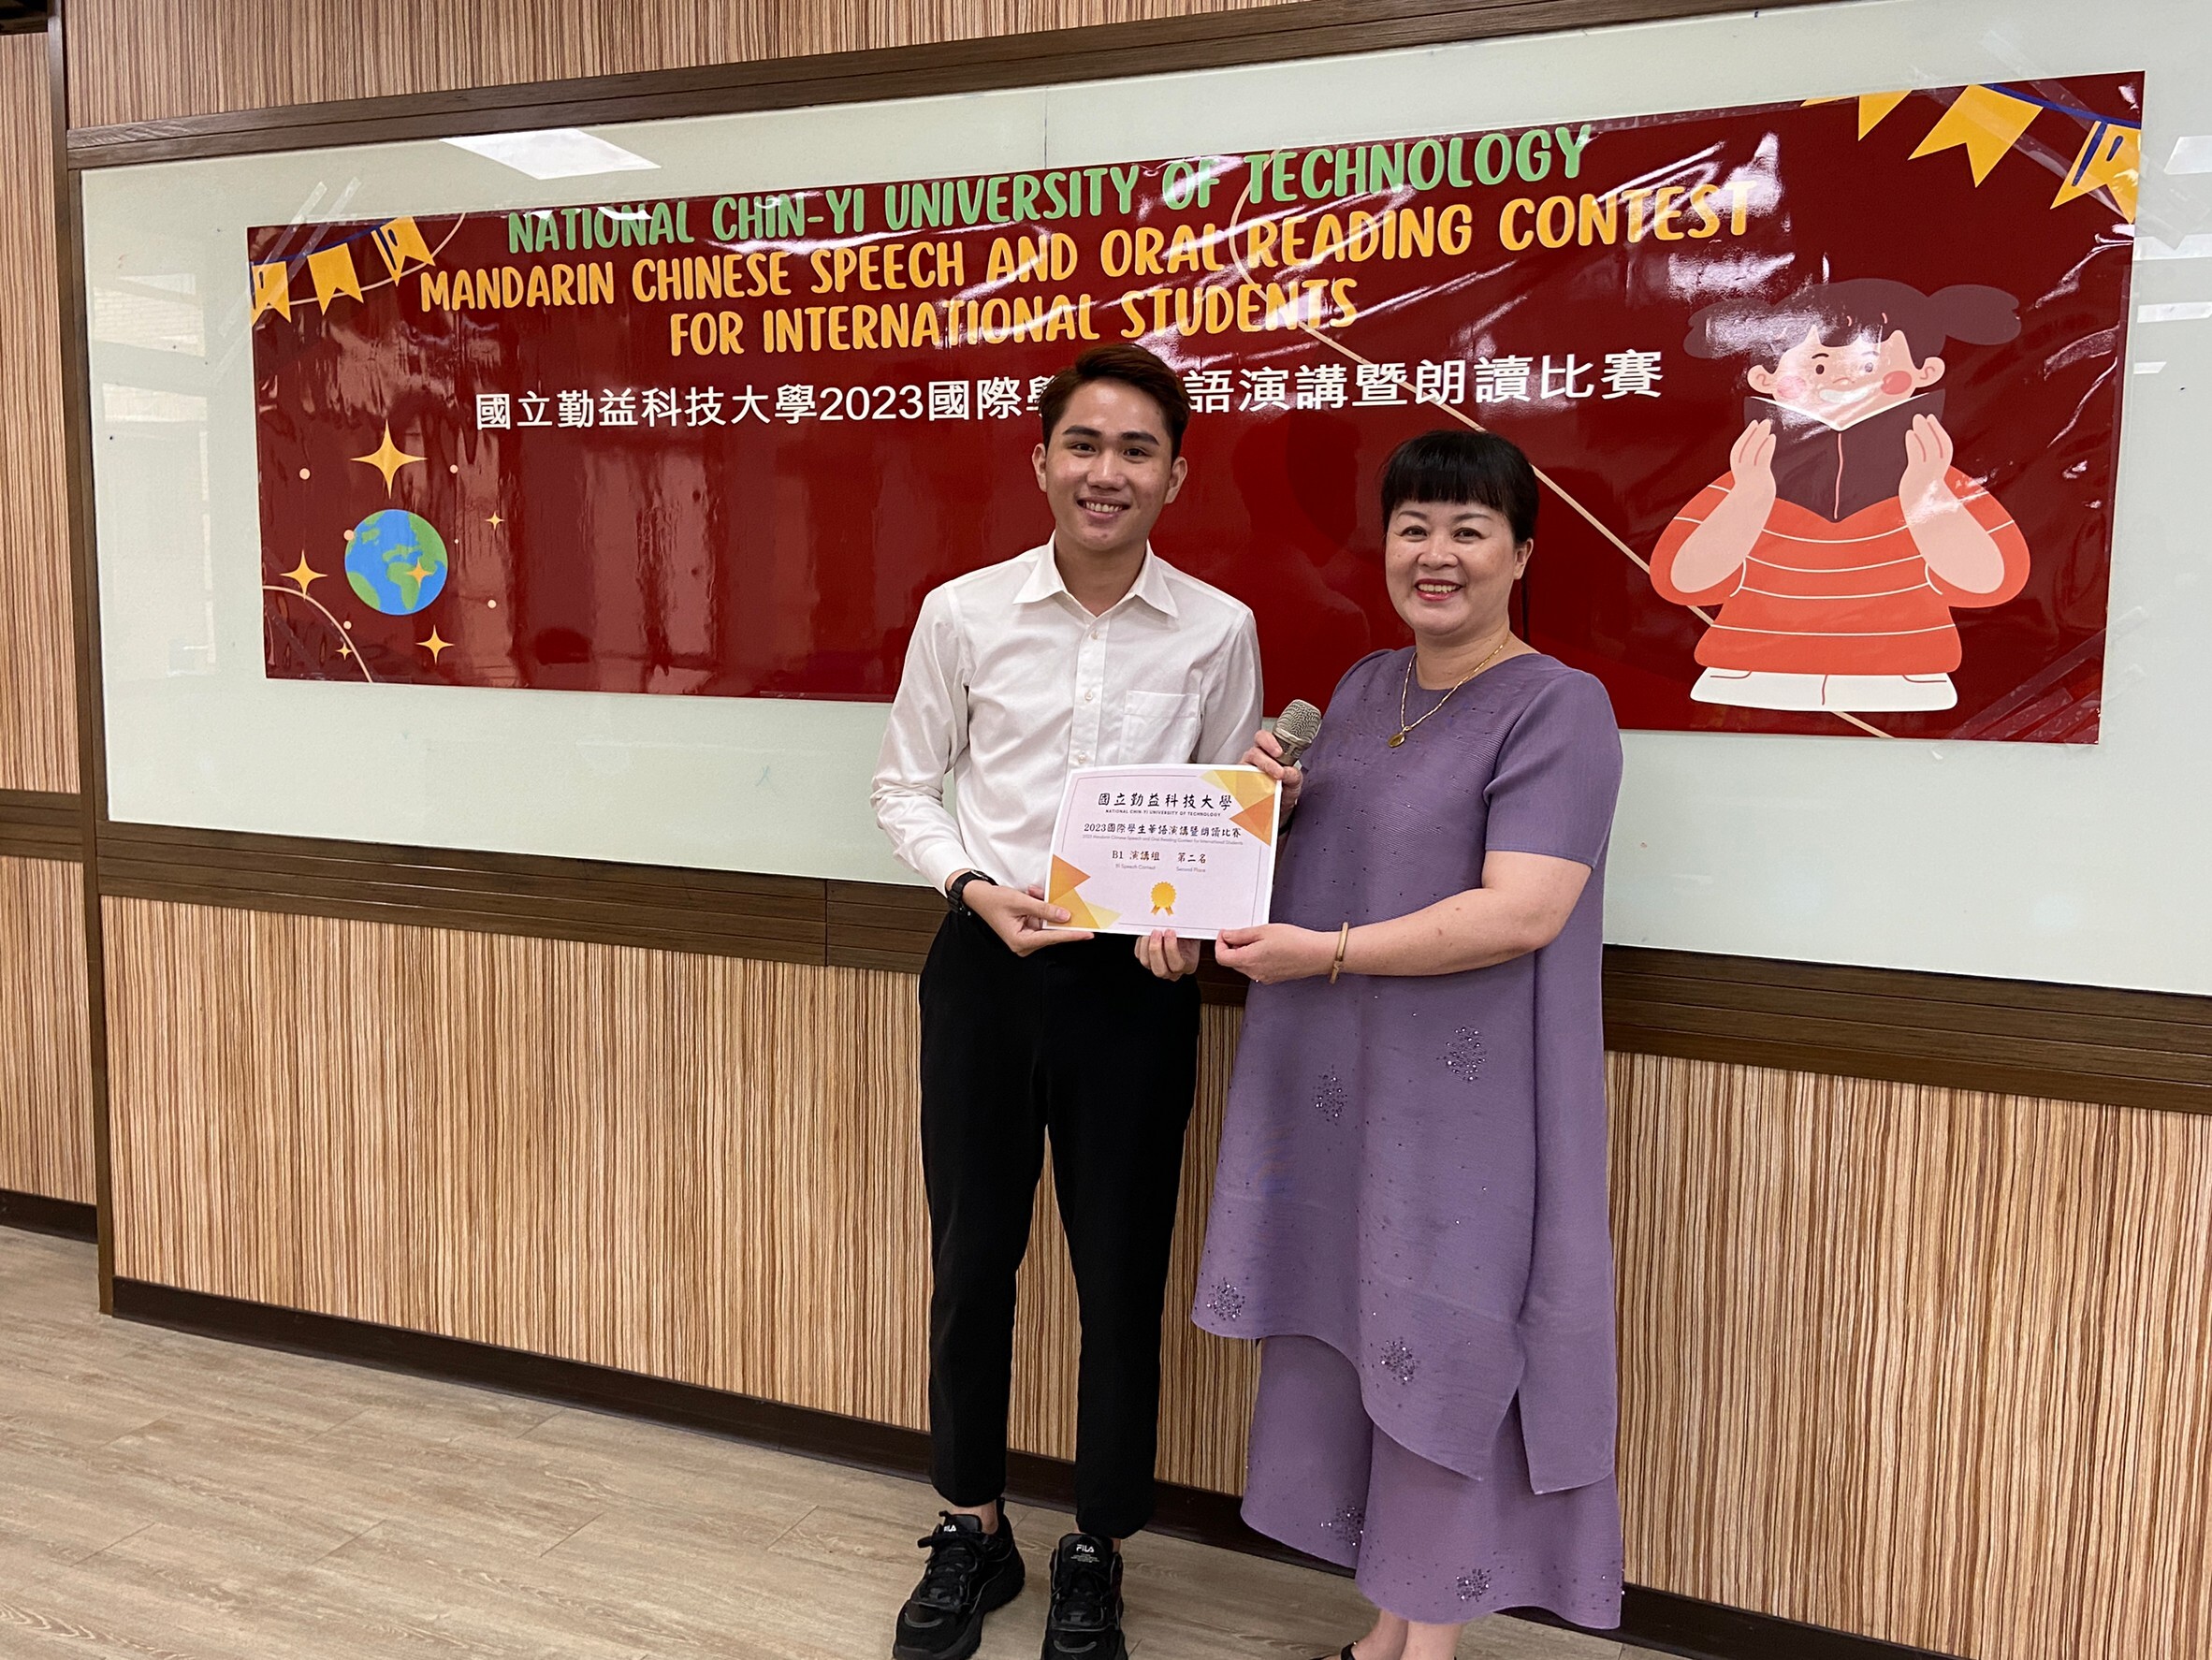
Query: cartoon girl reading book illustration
point(1842, 537)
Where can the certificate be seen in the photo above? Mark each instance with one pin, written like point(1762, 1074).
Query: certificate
point(1187, 848)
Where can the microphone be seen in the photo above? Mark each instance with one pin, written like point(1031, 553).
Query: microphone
point(1296, 728)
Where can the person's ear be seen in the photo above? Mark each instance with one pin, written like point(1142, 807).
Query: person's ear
point(1761, 379)
point(1929, 373)
point(1176, 474)
point(1522, 555)
point(1037, 461)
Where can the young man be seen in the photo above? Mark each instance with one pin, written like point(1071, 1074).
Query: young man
point(1087, 651)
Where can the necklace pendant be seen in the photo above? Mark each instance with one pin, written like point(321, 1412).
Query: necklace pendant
point(1397, 740)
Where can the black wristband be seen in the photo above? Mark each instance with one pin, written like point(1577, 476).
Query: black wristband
point(959, 888)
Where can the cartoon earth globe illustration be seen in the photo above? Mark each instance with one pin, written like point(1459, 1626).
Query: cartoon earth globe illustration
point(395, 561)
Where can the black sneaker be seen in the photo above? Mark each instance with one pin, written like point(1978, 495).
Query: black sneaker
point(1085, 1619)
point(971, 1573)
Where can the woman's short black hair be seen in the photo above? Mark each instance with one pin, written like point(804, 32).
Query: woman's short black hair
point(1453, 464)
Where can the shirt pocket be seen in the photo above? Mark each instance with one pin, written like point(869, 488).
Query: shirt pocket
point(1159, 727)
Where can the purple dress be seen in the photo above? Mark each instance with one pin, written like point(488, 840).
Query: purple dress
point(1411, 1203)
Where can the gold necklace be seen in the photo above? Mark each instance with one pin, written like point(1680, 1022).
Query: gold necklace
point(1404, 725)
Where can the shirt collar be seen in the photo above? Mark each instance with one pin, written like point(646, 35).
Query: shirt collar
point(1043, 581)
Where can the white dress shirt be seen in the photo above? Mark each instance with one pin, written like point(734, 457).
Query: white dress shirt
point(1009, 683)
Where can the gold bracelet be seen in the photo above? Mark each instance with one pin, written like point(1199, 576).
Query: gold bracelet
point(1343, 938)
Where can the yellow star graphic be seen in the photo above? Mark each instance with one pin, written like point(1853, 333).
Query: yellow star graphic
point(303, 574)
point(387, 457)
point(435, 645)
point(345, 651)
point(495, 521)
point(418, 570)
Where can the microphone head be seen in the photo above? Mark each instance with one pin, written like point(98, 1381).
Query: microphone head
point(1296, 728)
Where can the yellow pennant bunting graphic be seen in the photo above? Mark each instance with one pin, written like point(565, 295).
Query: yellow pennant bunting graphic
point(2111, 159)
point(1987, 122)
point(333, 272)
point(1872, 107)
point(399, 241)
point(1982, 122)
point(273, 291)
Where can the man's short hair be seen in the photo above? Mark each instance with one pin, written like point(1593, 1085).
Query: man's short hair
point(1454, 465)
point(1133, 366)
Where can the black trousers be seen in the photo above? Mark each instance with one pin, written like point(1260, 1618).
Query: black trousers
point(1081, 1042)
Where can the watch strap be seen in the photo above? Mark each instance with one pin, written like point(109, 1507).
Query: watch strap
point(957, 892)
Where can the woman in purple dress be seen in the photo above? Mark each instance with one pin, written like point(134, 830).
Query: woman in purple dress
point(1411, 1204)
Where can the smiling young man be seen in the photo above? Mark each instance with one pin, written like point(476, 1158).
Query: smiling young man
point(1089, 650)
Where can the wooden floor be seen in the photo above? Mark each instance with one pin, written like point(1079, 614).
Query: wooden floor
point(168, 1497)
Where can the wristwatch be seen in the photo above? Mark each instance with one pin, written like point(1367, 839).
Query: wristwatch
point(959, 888)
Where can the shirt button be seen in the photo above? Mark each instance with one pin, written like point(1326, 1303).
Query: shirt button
point(1080, 759)
point(1088, 695)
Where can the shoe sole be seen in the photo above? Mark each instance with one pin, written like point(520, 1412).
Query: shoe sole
point(1119, 1652)
point(994, 1598)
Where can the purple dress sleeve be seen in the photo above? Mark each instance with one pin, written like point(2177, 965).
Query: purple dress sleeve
point(1559, 773)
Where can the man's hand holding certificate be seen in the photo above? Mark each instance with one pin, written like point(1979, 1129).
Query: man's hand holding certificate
point(1187, 848)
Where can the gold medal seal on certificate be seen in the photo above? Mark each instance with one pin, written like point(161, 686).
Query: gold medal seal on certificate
point(1187, 848)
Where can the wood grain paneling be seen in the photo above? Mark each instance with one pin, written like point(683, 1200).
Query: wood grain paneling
point(723, 914)
point(1927, 1364)
point(1921, 1363)
point(872, 925)
point(958, 51)
point(699, 1167)
point(2128, 1048)
point(36, 824)
point(146, 60)
point(45, 1079)
point(38, 664)
point(2076, 1043)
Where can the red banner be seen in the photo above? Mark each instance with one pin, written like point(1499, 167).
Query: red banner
point(1825, 398)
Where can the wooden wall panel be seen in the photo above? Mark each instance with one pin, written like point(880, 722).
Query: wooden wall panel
point(37, 663)
point(147, 60)
point(701, 1167)
point(1927, 1364)
point(45, 1070)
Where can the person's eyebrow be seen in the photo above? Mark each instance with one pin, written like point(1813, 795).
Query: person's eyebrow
point(1138, 434)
